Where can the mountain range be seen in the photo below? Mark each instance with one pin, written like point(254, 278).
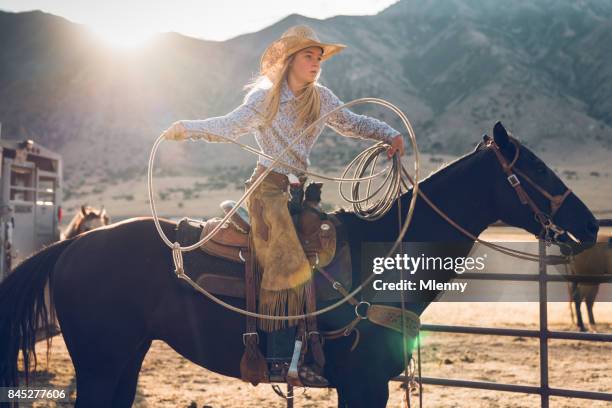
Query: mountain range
point(455, 67)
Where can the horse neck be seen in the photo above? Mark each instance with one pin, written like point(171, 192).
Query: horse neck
point(462, 190)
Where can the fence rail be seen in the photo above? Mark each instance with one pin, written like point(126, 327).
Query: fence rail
point(526, 389)
point(556, 335)
point(544, 390)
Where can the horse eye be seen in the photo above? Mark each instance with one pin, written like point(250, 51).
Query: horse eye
point(541, 168)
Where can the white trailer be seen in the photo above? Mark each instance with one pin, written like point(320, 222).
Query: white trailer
point(30, 200)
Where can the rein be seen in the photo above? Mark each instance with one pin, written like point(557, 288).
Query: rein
point(408, 318)
point(545, 220)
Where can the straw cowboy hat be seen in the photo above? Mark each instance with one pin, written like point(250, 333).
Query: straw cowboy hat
point(293, 40)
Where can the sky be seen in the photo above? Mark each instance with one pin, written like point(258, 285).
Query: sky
point(132, 21)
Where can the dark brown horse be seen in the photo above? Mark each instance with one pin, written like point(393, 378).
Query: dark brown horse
point(115, 290)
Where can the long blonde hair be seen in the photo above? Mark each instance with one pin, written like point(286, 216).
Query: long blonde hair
point(308, 106)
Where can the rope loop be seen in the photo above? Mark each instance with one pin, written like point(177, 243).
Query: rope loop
point(365, 162)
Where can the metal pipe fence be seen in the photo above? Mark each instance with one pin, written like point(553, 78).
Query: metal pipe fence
point(544, 334)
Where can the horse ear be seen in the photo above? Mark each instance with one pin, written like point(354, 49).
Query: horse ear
point(500, 135)
point(479, 145)
point(103, 212)
point(83, 210)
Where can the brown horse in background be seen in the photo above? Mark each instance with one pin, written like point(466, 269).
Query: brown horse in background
point(85, 220)
point(593, 261)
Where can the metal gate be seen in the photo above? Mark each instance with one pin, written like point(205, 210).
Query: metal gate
point(544, 390)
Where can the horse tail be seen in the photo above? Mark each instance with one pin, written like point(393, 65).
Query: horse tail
point(23, 311)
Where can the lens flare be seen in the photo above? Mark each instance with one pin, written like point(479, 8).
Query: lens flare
point(122, 36)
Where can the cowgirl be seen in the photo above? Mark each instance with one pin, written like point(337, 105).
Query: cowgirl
point(281, 103)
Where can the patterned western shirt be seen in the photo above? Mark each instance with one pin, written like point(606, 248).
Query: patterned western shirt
point(273, 139)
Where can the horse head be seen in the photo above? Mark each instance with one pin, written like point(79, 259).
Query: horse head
point(531, 196)
point(92, 218)
point(86, 220)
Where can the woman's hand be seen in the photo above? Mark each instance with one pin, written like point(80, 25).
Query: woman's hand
point(175, 132)
point(397, 144)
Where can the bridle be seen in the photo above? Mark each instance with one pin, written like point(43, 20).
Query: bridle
point(550, 231)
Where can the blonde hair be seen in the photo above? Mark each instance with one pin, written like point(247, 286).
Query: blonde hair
point(308, 106)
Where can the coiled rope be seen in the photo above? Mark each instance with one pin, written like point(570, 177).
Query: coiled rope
point(392, 184)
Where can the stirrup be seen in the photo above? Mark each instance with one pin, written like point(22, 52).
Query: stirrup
point(307, 377)
point(278, 371)
point(310, 378)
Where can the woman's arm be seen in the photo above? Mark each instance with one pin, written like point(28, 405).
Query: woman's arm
point(242, 120)
point(350, 124)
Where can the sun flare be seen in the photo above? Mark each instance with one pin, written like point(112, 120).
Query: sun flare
point(122, 37)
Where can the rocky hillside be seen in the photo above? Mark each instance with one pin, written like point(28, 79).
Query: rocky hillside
point(453, 66)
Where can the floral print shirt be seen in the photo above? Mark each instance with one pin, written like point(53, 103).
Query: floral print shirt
point(273, 139)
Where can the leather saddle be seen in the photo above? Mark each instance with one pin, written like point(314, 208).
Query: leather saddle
point(317, 231)
point(317, 236)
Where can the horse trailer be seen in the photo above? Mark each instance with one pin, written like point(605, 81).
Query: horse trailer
point(30, 200)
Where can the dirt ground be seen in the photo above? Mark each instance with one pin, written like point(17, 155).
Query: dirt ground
point(169, 380)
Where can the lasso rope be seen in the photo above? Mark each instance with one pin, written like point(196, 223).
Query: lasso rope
point(374, 211)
